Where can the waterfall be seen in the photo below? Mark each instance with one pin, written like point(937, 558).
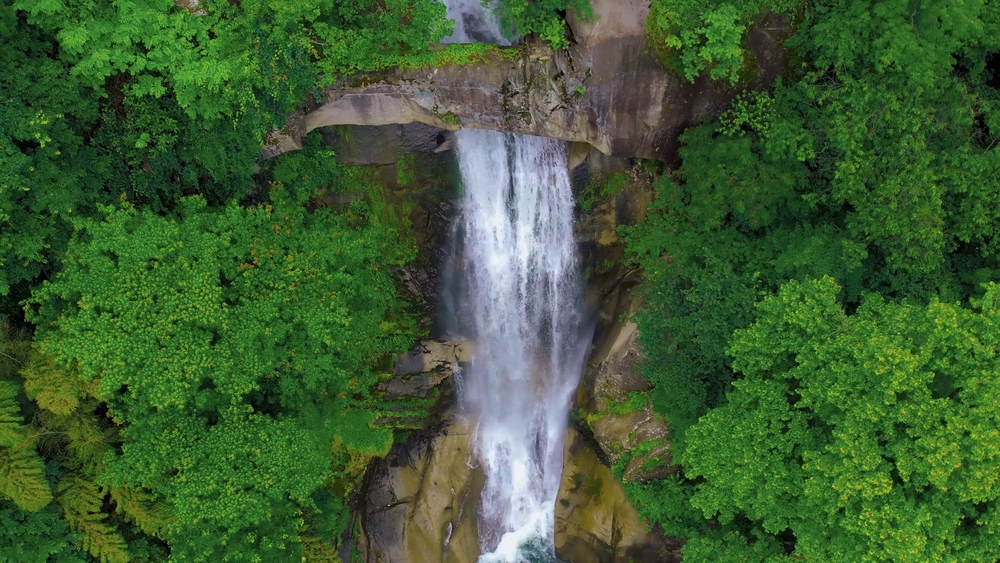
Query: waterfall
point(519, 297)
point(474, 23)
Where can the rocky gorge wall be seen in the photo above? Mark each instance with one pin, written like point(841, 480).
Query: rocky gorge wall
point(612, 102)
point(420, 502)
point(606, 90)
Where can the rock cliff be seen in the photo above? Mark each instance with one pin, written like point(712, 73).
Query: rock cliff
point(612, 101)
point(606, 90)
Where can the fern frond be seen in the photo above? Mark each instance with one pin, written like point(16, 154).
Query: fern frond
point(14, 346)
point(12, 429)
point(81, 501)
point(78, 496)
point(22, 476)
point(78, 440)
point(55, 389)
point(139, 507)
point(88, 441)
point(316, 550)
point(104, 542)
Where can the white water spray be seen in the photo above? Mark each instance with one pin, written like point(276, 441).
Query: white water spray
point(473, 23)
point(520, 300)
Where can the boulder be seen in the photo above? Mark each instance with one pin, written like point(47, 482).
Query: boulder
point(426, 372)
point(433, 355)
point(608, 383)
point(419, 386)
point(594, 521)
point(421, 502)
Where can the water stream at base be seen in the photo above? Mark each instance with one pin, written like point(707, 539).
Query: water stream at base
point(519, 297)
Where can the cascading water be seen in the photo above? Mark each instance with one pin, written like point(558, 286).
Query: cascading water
point(473, 23)
point(519, 298)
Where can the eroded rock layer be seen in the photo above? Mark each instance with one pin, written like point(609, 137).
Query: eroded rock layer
point(606, 90)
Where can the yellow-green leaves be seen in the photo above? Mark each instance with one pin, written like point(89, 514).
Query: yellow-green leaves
point(873, 436)
point(12, 428)
point(50, 386)
point(22, 471)
point(22, 475)
point(81, 501)
point(232, 347)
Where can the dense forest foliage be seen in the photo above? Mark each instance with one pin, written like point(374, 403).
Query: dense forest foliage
point(190, 337)
point(188, 343)
point(821, 318)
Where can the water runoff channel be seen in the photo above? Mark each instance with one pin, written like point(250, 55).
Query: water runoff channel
point(518, 294)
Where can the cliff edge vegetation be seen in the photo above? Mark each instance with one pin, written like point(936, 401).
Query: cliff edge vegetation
point(820, 319)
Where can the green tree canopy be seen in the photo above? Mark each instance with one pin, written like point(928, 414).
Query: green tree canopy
point(148, 101)
point(880, 173)
point(872, 161)
point(870, 437)
point(544, 17)
point(232, 348)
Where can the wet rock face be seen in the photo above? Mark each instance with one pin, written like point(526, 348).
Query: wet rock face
point(612, 395)
point(609, 381)
point(384, 145)
point(427, 371)
point(606, 91)
point(415, 165)
point(595, 522)
point(434, 355)
point(421, 502)
point(611, 19)
point(602, 251)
